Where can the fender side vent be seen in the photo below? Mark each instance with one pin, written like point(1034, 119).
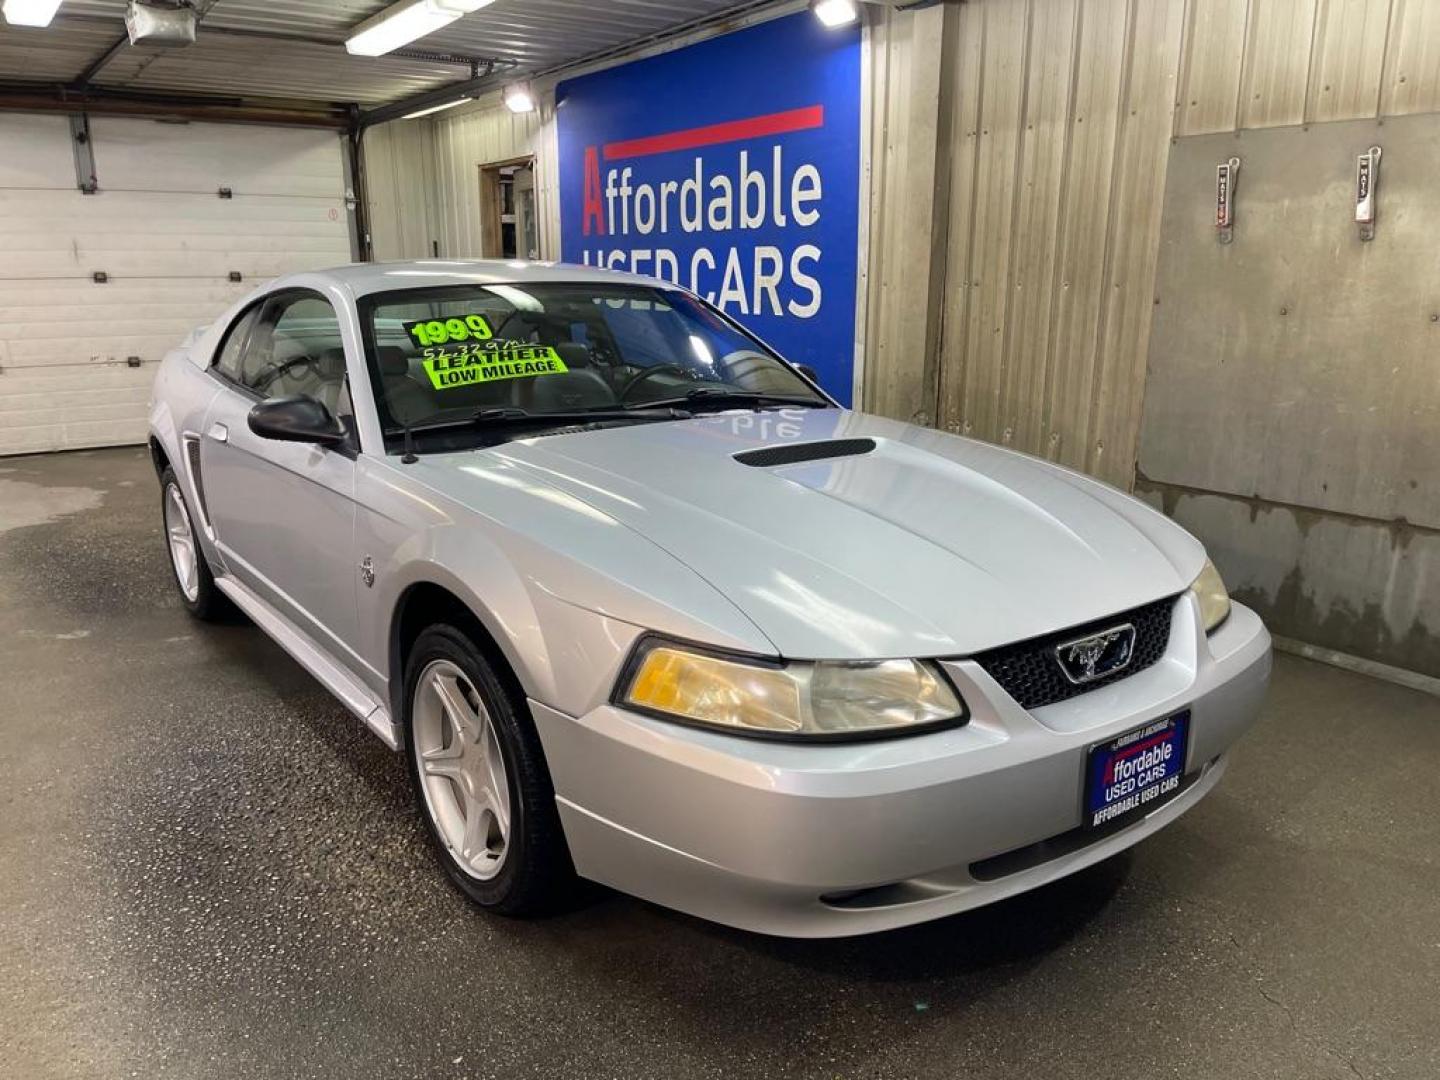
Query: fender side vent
point(770, 456)
point(192, 455)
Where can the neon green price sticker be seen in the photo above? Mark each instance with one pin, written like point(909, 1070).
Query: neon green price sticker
point(483, 364)
point(459, 329)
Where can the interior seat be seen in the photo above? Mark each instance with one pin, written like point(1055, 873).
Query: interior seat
point(412, 398)
point(580, 386)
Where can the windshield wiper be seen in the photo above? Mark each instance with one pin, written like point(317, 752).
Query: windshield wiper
point(720, 395)
point(509, 416)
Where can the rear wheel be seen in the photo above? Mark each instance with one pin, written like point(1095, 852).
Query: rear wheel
point(187, 561)
point(480, 779)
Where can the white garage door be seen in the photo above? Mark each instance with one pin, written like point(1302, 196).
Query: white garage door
point(166, 243)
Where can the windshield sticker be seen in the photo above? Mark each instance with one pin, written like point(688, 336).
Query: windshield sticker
point(443, 331)
point(488, 363)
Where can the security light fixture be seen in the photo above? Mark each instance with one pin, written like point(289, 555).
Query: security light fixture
point(433, 109)
point(518, 98)
point(834, 13)
point(30, 12)
point(402, 23)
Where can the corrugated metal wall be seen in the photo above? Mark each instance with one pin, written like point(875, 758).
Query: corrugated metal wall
point(423, 177)
point(1015, 166)
point(1053, 120)
point(1016, 173)
point(907, 224)
point(487, 135)
point(401, 189)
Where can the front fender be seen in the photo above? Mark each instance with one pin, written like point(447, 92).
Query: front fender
point(562, 588)
point(180, 397)
point(559, 652)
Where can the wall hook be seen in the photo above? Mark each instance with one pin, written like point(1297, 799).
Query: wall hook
point(1227, 174)
point(1367, 178)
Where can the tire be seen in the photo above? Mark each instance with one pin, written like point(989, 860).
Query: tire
point(193, 581)
point(515, 862)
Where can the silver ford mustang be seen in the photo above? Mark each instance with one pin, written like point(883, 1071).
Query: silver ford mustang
point(639, 602)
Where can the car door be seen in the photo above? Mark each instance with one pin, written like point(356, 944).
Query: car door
point(283, 513)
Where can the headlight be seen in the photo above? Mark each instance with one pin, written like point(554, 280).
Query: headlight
point(796, 700)
point(1214, 600)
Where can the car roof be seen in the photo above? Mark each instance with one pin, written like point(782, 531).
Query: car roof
point(365, 278)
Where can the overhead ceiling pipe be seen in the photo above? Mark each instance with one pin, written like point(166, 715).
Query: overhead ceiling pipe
point(482, 79)
point(50, 98)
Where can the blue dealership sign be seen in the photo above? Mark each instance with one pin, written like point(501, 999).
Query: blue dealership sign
point(731, 167)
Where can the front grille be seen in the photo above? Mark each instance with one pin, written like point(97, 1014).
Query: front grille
point(1030, 673)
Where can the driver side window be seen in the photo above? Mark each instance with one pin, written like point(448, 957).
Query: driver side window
point(295, 348)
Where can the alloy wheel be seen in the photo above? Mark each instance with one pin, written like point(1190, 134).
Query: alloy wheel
point(462, 770)
point(181, 535)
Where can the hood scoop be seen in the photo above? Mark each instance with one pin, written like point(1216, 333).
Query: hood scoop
point(768, 457)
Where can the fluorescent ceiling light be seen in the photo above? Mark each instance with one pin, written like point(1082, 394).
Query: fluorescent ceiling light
point(30, 12)
point(518, 98)
point(834, 13)
point(402, 23)
point(433, 109)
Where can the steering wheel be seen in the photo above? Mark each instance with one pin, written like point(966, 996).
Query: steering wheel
point(650, 373)
point(275, 371)
point(603, 353)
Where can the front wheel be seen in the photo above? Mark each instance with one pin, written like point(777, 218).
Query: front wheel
point(187, 561)
point(480, 779)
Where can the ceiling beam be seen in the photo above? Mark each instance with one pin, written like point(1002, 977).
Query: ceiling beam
point(479, 66)
point(478, 84)
point(98, 64)
point(51, 97)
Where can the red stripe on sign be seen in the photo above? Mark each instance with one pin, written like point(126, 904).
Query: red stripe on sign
point(754, 127)
point(1131, 751)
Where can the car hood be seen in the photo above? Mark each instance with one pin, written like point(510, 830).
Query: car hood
point(926, 545)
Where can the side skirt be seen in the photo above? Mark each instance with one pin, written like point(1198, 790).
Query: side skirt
point(352, 693)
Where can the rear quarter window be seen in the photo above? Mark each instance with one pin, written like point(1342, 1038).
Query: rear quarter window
point(227, 358)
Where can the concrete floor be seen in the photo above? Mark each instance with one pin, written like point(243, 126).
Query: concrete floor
point(208, 869)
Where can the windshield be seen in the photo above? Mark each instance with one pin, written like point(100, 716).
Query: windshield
point(444, 354)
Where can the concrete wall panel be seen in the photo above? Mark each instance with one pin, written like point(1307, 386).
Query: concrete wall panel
point(1365, 588)
point(1297, 363)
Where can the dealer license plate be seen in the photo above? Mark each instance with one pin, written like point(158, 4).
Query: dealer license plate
point(1134, 773)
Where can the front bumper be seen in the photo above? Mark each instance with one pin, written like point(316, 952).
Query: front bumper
point(836, 839)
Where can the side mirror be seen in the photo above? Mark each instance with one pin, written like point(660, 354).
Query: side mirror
point(809, 373)
point(298, 418)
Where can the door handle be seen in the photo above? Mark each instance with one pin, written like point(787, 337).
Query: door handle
point(219, 432)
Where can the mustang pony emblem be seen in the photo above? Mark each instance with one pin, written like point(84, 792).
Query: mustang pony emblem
point(1089, 658)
